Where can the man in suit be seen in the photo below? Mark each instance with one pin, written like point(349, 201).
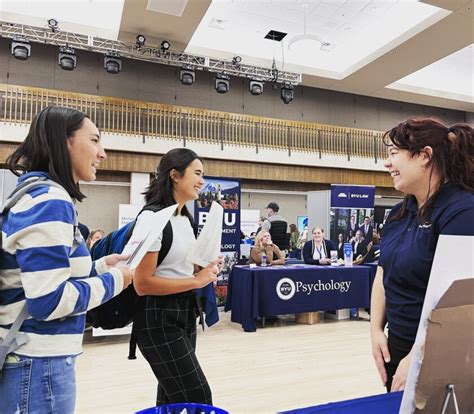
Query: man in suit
point(367, 229)
point(359, 245)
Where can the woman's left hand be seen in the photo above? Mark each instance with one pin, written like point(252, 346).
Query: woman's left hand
point(401, 374)
point(113, 259)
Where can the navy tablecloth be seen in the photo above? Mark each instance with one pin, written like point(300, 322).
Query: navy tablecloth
point(376, 404)
point(256, 292)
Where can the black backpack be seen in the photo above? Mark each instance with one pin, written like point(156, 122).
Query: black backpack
point(119, 311)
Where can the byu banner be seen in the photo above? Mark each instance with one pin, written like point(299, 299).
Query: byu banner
point(352, 209)
point(351, 196)
point(227, 193)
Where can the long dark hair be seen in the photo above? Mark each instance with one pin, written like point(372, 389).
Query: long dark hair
point(453, 154)
point(45, 147)
point(160, 191)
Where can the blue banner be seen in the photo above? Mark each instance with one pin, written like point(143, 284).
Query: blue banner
point(352, 209)
point(227, 193)
point(352, 196)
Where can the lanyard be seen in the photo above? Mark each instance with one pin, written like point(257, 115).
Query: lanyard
point(319, 250)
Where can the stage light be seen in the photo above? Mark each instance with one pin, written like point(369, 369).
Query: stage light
point(287, 93)
point(112, 62)
point(255, 87)
point(187, 76)
point(140, 41)
point(222, 83)
point(53, 24)
point(165, 45)
point(20, 48)
point(67, 58)
point(236, 61)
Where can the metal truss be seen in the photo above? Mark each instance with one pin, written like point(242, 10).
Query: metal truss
point(149, 54)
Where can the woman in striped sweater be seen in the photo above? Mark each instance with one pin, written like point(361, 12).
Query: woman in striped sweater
point(45, 264)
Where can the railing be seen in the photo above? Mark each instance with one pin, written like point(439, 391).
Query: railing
point(20, 104)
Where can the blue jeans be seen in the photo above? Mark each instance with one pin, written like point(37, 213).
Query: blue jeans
point(38, 385)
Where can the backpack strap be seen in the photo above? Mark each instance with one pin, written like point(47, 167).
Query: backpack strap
point(13, 340)
point(166, 242)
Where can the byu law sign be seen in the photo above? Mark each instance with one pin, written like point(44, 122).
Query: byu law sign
point(352, 196)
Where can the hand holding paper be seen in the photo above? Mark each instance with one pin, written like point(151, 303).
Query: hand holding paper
point(208, 245)
point(207, 274)
point(148, 228)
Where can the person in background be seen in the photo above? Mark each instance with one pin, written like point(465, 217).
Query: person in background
point(264, 244)
point(359, 246)
point(94, 237)
point(340, 246)
point(352, 226)
point(46, 268)
point(276, 225)
point(165, 327)
point(433, 165)
point(367, 229)
point(294, 236)
point(303, 238)
point(318, 250)
point(260, 223)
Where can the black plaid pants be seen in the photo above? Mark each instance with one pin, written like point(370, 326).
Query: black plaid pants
point(166, 335)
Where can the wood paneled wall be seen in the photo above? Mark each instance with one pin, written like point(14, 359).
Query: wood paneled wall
point(256, 172)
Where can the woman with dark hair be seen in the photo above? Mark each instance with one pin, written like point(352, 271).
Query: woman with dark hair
point(433, 165)
point(166, 326)
point(318, 250)
point(45, 264)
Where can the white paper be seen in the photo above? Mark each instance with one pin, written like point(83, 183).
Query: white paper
point(453, 260)
point(145, 233)
point(208, 244)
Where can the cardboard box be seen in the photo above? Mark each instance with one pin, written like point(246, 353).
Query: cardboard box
point(338, 314)
point(308, 318)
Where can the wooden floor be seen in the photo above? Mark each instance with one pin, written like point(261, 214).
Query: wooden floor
point(281, 367)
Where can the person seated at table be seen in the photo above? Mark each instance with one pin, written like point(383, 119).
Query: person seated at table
point(318, 250)
point(264, 244)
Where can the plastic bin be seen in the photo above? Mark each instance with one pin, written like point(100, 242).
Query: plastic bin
point(183, 408)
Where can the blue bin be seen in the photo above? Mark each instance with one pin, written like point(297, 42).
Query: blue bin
point(191, 408)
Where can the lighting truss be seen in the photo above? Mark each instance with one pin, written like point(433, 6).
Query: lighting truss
point(146, 53)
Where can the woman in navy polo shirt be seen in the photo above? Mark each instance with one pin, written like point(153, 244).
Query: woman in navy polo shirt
point(433, 165)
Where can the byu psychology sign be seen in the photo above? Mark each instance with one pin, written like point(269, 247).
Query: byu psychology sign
point(287, 288)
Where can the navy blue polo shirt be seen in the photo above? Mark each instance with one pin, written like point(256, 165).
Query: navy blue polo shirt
point(407, 251)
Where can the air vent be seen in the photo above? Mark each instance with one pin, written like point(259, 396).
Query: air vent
point(171, 7)
point(275, 35)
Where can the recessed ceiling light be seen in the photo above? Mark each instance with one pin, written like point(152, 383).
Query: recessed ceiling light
point(275, 35)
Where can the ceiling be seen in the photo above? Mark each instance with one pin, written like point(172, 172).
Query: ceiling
point(406, 50)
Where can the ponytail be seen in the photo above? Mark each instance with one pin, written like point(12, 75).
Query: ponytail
point(460, 162)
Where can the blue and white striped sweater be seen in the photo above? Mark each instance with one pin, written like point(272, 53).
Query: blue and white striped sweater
point(36, 265)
